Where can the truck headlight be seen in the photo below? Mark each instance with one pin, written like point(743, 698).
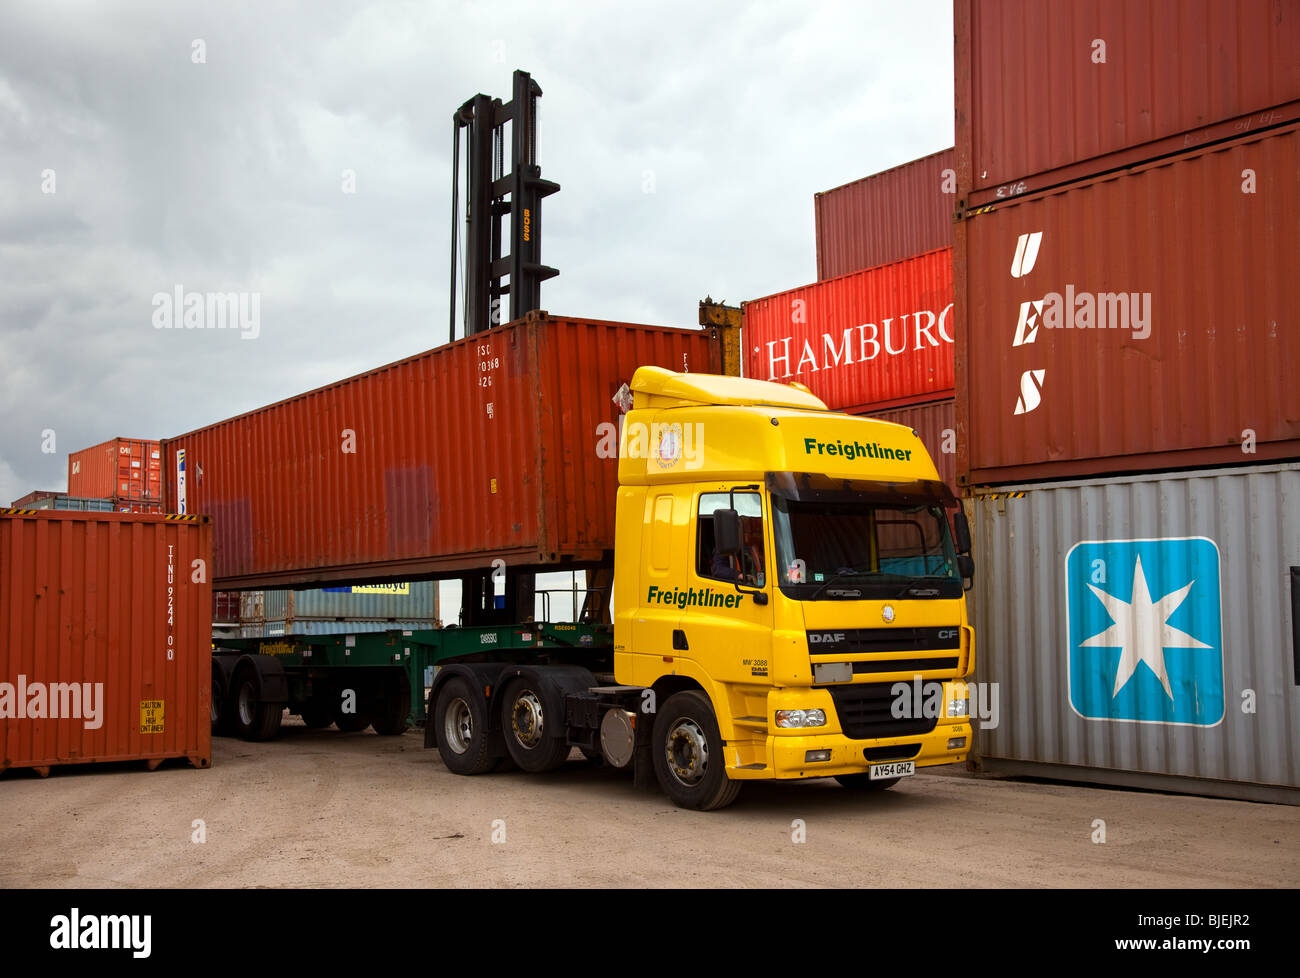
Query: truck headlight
point(801, 718)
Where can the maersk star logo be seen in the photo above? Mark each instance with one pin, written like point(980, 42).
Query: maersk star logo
point(1145, 628)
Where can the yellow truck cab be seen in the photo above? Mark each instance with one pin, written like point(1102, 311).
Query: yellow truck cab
point(787, 587)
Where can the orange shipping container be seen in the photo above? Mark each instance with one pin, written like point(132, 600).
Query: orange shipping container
point(499, 446)
point(105, 638)
point(120, 469)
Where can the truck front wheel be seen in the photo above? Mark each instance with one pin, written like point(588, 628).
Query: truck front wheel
point(460, 729)
point(688, 755)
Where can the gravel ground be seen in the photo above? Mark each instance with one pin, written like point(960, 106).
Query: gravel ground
point(324, 809)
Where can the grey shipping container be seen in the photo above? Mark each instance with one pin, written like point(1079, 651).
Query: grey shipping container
point(63, 502)
point(408, 601)
point(1141, 630)
point(325, 626)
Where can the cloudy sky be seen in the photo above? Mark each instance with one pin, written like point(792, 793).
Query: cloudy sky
point(128, 169)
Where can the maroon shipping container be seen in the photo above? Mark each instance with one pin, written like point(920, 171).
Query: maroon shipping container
point(1198, 253)
point(1037, 105)
point(122, 469)
point(878, 338)
point(489, 447)
point(886, 217)
point(105, 639)
point(936, 424)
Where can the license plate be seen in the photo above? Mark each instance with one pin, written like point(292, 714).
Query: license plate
point(896, 769)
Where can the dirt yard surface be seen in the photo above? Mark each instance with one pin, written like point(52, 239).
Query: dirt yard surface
point(324, 809)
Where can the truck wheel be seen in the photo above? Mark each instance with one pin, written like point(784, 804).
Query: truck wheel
point(863, 782)
point(390, 719)
point(688, 757)
point(316, 715)
point(524, 717)
point(254, 719)
point(460, 730)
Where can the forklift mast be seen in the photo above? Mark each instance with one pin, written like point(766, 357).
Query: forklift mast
point(491, 194)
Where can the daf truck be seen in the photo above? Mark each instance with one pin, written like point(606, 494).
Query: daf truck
point(788, 603)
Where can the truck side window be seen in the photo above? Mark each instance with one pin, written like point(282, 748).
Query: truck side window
point(749, 568)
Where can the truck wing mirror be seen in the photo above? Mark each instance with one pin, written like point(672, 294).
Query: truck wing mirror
point(966, 567)
point(726, 532)
point(961, 531)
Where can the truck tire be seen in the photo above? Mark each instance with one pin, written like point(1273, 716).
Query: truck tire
point(863, 782)
point(527, 715)
point(688, 756)
point(460, 729)
point(252, 718)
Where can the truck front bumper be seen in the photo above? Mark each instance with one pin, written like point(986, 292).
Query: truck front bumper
point(788, 755)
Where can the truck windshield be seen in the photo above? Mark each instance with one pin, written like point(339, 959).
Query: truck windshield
point(839, 541)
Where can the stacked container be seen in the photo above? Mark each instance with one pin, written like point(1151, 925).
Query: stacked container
point(874, 335)
point(1127, 323)
point(127, 471)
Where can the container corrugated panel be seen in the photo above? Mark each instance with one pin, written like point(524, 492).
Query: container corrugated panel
point(1058, 583)
point(886, 217)
point(1201, 278)
point(878, 338)
point(1043, 85)
point(122, 469)
point(327, 626)
point(105, 603)
point(408, 600)
point(936, 425)
point(486, 448)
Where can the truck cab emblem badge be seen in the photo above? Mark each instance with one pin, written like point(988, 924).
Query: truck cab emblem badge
point(887, 613)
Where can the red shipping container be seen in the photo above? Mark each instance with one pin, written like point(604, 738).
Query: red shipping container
point(1055, 89)
point(936, 424)
point(1195, 258)
point(105, 639)
point(878, 338)
point(117, 469)
point(886, 217)
point(487, 448)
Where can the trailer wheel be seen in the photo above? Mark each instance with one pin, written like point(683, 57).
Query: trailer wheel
point(863, 782)
point(316, 715)
point(351, 722)
point(254, 719)
point(389, 719)
point(460, 729)
point(524, 713)
point(688, 757)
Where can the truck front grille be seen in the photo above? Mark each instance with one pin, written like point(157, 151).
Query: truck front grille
point(866, 711)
